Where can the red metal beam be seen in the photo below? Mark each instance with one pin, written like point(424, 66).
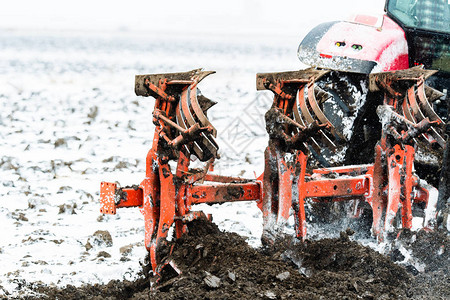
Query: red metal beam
point(326, 187)
point(220, 193)
point(131, 197)
point(112, 198)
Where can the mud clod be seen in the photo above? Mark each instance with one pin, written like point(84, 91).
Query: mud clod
point(100, 238)
point(103, 254)
point(211, 280)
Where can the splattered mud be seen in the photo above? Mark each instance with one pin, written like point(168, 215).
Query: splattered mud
point(218, 265)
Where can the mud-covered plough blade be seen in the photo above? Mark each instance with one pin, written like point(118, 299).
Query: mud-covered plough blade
point(180, 110)
point(388, 185)
point(182, 130)
point(297, 126)
point(411, 102)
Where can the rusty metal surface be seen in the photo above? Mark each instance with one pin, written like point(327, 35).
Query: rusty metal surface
point(411, 74)
point(291, 76)
point(411, 102)
point(182, 78)
point(425, 104)
point(189, 113)
point(200, 115)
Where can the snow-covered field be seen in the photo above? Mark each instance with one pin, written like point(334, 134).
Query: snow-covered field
point(69, 119)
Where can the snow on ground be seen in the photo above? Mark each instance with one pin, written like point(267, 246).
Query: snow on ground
point(69, 119)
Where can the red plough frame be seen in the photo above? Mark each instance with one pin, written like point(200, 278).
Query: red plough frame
point(166, 196)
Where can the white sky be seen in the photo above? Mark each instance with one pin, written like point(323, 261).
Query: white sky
point(196, 16)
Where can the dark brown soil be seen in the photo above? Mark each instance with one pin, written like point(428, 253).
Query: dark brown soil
point(218, 265)
point(432, 250)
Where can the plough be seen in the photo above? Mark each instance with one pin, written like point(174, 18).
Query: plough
point(296, 125)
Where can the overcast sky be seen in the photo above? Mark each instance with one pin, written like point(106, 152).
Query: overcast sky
point(229, 16)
